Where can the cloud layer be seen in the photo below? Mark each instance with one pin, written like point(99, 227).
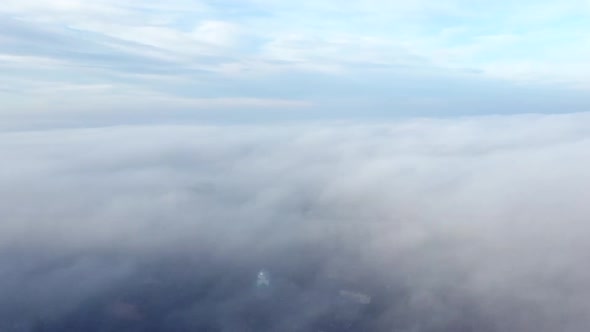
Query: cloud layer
point(421, 225)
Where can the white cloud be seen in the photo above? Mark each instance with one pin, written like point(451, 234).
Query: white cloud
point(217, 33)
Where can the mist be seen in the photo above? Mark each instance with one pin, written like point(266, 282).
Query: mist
point(464, 224)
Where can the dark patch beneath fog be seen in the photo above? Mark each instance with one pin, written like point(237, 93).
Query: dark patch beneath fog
point(207, 293)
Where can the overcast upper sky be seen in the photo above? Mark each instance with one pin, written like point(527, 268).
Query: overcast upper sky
point(140, 61)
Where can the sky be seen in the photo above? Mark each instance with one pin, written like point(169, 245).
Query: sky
point(75, 62)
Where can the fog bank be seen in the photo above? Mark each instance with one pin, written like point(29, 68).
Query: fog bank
point(465, 224)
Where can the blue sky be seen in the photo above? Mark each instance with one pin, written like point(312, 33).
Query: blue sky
point(143, 60)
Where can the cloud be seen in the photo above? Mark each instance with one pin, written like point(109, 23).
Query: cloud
point(263, 49)
point(423, 225)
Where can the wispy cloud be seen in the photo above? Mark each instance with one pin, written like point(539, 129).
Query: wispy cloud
point(271, 49)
